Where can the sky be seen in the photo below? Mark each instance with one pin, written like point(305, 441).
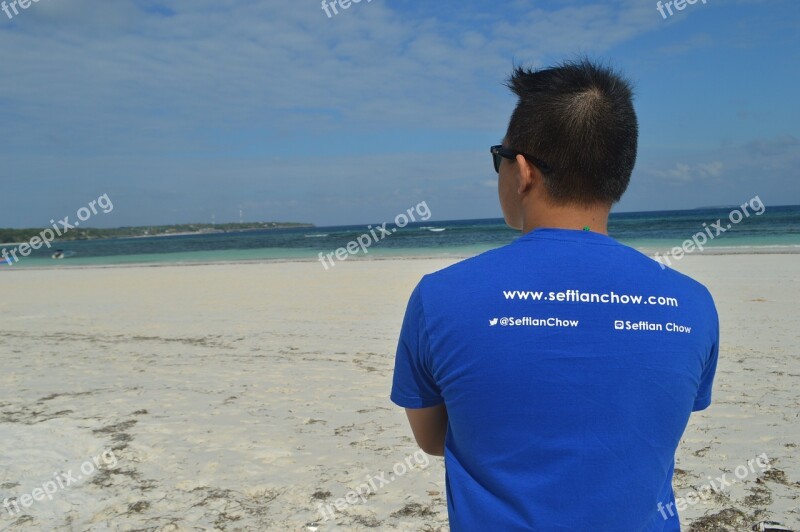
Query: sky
point(269, 110)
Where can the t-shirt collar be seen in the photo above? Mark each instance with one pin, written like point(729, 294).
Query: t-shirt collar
point(572, 235)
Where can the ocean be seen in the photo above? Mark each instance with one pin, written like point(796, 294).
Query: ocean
point(776, 230)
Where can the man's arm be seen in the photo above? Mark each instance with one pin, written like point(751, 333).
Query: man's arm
point(429, 426)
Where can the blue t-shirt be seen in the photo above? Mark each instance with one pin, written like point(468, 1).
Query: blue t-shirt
point(569, 365)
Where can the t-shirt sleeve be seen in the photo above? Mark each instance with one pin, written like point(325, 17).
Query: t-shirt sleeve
point(703, 398)
point(413, 385)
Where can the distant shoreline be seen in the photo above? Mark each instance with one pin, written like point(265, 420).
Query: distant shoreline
point(146, 231)
point(456, 255)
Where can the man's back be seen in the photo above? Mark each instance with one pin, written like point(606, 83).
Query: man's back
point(569, 365)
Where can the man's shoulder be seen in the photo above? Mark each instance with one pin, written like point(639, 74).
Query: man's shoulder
point(666, 275)
point(470, 267)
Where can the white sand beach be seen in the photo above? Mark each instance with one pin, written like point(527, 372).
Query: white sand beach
point(250, 396)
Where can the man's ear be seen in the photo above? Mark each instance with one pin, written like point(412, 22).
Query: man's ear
point(527, 174)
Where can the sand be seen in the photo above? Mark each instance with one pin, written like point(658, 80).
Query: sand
point(255, 397)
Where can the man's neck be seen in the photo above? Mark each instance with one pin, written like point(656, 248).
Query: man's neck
point(589, 218)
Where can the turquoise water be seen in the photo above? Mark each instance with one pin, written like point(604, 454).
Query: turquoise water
point(777, 230)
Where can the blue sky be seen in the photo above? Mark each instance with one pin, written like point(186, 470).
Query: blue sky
point(183, 109)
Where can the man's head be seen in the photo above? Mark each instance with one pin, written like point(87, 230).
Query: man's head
point(571, 140)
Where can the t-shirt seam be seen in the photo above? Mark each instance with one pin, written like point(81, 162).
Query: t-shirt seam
point(545, 237)
point(426, 332)
point(416, 398)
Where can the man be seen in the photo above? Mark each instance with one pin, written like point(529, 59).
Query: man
point(557, 374)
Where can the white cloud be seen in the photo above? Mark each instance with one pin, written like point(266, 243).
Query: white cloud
point(685, 173)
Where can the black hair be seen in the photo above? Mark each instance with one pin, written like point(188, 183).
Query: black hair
point(578, 117)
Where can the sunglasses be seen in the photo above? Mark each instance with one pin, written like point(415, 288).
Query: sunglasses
point(499, 153)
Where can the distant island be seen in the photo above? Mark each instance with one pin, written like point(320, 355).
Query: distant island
point(90, 233)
